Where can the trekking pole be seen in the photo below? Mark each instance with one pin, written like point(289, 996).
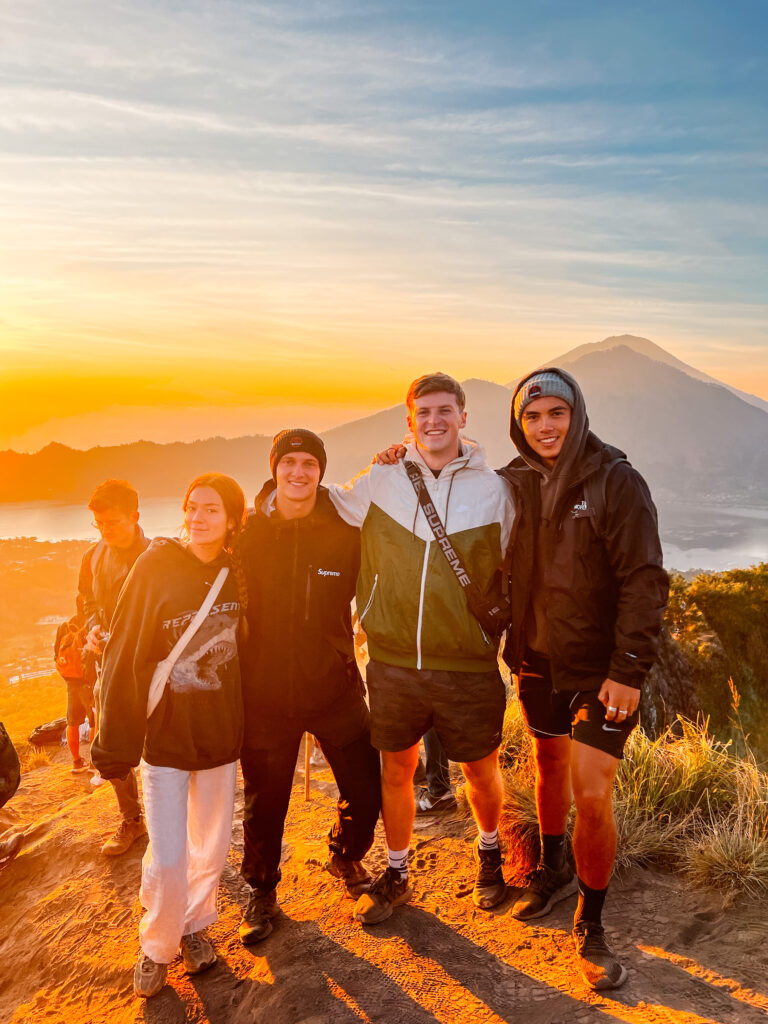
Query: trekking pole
point(308, 744)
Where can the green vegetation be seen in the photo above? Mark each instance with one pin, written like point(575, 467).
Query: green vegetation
point(720, 621)
point(684, 803)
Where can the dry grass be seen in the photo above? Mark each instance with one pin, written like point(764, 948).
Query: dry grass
point(684, 803)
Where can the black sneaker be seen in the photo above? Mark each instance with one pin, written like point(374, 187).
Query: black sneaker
point(490, 887)
point(599, 964)
point(257, 916)
point(388, 891)
point(352, 873)
point(543, 888)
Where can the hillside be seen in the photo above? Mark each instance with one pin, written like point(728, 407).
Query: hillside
point(70, 917)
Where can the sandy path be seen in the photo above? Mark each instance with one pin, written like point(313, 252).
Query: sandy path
point(68, 926)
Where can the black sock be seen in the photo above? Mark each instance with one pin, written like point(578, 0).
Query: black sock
point(553, 851)
point(590, 905)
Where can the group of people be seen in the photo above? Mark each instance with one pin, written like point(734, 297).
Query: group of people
point(232, 642)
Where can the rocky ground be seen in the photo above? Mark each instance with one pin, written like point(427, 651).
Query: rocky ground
point(69, 918)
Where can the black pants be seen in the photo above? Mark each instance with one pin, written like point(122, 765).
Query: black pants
point(434, 772)
point(268, 777)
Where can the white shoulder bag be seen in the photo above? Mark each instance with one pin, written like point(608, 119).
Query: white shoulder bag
point(164, 668)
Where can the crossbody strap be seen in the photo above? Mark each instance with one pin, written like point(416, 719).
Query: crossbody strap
point(436, 525)
point(163, 671)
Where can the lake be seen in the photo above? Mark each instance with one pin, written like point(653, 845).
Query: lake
point(693, 536)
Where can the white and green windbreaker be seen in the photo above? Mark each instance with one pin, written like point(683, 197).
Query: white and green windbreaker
point(411, 606)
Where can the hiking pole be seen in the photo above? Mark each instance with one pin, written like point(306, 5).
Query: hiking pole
point(308, 744)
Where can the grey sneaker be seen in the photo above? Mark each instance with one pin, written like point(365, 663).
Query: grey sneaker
point(428, 804)
point(352, 873)
point(389, 890)
point(490, 887)
point(599, 964)
point(148, 977)
point(544, 887)
point(197, 953)
point(257, 916)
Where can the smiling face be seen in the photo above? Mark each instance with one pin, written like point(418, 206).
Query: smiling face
point(206, 520)
point(297, 475)
point(545, 423)
point(435, 421)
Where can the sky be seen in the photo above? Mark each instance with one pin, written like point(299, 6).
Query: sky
point(229, 217)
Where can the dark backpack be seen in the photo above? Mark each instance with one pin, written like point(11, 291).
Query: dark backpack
point(68, 650)
point(10, 772)
point(594, 494)
point(50, 732)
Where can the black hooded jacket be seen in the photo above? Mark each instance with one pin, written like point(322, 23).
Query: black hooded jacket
point(198, 723)
point(599, 587)
point(298, 659)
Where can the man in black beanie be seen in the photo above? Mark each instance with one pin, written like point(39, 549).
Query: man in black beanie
point(588, 595)
point(299, 673)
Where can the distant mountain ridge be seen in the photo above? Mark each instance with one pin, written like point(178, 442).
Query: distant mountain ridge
point(653, 351)
point(692, 437)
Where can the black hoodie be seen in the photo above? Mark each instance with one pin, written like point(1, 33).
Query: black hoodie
point(198, 723)
point(590, 595)
point(298, 659)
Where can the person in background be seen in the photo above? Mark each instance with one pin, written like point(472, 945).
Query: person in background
point(68, 657)
point(115, 508)
point(299, 674)
point(434, 794)
point(190, 742)
point(588, 595)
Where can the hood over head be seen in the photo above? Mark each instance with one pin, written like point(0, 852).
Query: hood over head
point(557, 479)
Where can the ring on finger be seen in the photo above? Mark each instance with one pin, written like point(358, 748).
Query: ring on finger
point(622, 711)
point(612, 708)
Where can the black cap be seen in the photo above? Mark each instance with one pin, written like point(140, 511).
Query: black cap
point(296, 440)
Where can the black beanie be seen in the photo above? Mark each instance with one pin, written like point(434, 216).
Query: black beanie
point(296, 440)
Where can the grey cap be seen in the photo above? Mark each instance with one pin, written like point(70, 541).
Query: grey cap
point(542, 385)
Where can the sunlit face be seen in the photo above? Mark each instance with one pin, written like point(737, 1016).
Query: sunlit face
point(297, 475)
point(205, 518)
point(545, 423)
point(435, 421)
point(117, 528)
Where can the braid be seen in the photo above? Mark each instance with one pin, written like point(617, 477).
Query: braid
point(236, 558)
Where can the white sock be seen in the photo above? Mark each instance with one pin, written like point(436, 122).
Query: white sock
point(489, 840)
point(398, 859)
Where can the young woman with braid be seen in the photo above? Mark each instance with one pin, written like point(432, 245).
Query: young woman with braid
point(189, 745)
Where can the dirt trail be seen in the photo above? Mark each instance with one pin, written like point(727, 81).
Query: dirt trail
point(69, 917)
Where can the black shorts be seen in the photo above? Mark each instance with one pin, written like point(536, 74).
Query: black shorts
point(79, 702)
point(577, 714)
point(465, 708)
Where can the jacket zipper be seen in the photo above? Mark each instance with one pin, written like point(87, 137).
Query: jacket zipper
point(370, 597)
point(306, 600)
point(421, 603)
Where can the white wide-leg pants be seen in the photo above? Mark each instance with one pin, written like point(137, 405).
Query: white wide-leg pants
point(189, 820)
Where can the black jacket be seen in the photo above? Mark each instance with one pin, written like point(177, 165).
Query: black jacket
point(298, 658)
point(600, 585)
point(198, 723)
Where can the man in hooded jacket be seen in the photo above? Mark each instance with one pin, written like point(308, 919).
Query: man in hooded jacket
point(588, 594)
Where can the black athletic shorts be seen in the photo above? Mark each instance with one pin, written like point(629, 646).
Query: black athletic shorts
point(79, 702)
point(578, 714)
point(465, 708)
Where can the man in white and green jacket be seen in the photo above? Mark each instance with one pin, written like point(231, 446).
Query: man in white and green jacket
point(431, 662)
